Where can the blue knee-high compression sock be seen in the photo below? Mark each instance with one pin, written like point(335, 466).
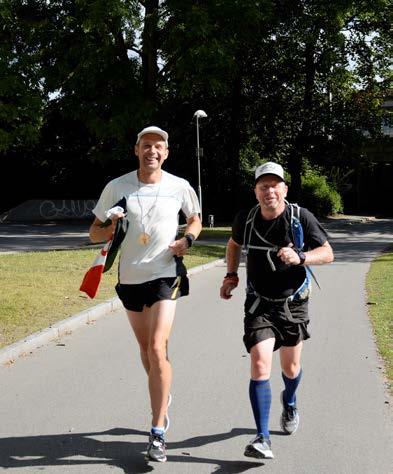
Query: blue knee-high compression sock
point(291, 385)
point(261, 398)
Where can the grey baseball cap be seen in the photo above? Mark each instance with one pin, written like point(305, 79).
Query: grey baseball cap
point(269, 168)
point(156, 130)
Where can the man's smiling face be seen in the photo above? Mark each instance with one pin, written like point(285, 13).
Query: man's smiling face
point(151, 152)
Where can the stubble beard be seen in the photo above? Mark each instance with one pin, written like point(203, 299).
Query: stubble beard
point(272, 207)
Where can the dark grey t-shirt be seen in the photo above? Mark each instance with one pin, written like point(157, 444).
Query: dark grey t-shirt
point(286, 279)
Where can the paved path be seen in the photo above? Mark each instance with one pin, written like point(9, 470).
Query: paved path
point(79, 405)
point(18, 237)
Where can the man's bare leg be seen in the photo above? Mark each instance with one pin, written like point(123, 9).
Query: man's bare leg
point(152, 328)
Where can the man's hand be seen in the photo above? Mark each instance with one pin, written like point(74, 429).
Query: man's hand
point(229, 284)
point(288, 255)
point(102, 231)
point(179, 247)
point(110, 224)
point(112, 219)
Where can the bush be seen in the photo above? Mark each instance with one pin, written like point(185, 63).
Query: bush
point(319, 196)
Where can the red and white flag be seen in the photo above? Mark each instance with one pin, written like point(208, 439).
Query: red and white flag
point(104, 260)
point(92, 278)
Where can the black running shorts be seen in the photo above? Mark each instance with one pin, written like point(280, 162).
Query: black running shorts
point(285, 321)
point(135, 297)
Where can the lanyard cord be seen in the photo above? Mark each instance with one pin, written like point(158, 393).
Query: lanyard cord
point(151, 207)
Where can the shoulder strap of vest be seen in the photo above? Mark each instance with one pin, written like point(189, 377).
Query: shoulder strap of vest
point(297, 233)
point(249, 230)
point(294, 209)
point(295, 225)
point(247, 227)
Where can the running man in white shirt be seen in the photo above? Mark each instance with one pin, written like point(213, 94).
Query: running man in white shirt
point(152, 275)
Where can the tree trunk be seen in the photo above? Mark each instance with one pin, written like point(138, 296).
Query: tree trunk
point(301, 144)
point(234, 139)
point(149, 50)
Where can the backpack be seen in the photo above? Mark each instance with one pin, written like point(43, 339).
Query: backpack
point(298, 240)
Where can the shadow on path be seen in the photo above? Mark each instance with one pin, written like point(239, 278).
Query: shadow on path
point(82, 449)
point(358, 240)
point(359, 251)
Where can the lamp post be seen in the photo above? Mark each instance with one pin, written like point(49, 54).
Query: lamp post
point(199, 152)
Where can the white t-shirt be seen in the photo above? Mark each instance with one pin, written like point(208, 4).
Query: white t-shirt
point(159, 204)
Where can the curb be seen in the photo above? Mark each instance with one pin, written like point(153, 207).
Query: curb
point(26, 346)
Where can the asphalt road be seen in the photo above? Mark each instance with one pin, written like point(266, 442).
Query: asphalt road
point(17, 237)
point(79, 405)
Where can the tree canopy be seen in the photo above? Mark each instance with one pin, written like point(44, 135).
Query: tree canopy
point(296, 81)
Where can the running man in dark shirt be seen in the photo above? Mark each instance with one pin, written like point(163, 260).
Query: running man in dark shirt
point(276, 306)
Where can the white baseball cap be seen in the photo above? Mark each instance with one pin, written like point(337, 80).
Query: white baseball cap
point(156, 130)
point(269, 168)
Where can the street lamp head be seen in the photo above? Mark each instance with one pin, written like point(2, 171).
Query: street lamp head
point(200, 114)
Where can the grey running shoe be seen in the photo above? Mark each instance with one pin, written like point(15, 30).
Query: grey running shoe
point(156, 449)
point(259, 448)
point(167, 421)
point(289, 417)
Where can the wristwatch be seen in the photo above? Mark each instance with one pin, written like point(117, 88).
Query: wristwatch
point(302, 256)
point(190, 239)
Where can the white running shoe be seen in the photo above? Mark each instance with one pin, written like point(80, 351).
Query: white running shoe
point(156, 449)
point(289, 417)
point(259, 448)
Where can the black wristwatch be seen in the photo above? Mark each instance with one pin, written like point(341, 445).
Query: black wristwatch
point(190, 239)
point(302, 256)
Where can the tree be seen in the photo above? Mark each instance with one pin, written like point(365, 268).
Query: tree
point(21, 98)
point(207, 51)
point(279, 79)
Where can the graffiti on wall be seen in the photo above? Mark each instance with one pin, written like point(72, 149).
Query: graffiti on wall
point(67, 208)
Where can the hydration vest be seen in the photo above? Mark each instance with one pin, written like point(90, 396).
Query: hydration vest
point(296, 230)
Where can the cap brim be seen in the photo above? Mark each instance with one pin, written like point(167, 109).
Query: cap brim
point(271, 174)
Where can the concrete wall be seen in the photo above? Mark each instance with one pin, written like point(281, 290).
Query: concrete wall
point(39, 210)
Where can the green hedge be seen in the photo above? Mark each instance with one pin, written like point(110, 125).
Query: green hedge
point(319, 196)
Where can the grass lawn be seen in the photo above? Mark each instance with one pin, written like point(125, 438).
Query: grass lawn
point(214, 233)
point(379, 287)
point(38, 289)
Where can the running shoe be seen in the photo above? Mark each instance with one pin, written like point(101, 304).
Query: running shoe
point(289, 417)
point(156, 449)
point(260, 448)
point(167, 421)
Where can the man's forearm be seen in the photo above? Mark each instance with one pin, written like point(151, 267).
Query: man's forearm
point(320, 255)
point(194, 226)
point(233, 254)
point(100, 234)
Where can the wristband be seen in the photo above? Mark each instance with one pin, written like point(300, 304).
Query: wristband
point(231, 274)
point(231, 278)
